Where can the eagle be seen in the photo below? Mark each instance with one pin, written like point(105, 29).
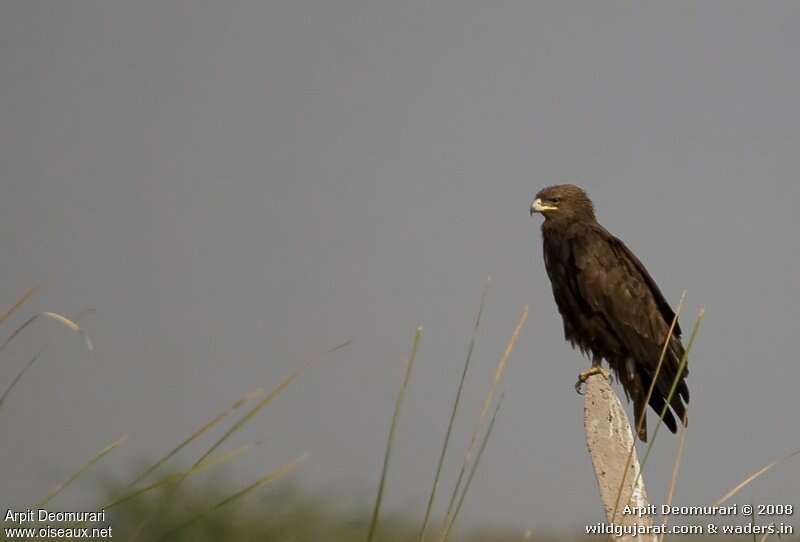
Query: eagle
point(611, 307)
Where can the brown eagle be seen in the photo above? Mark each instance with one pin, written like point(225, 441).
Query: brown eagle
point(611, 306)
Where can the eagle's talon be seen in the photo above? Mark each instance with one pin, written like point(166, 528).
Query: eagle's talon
point(583, 376)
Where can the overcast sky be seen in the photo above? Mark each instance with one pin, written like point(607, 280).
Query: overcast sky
point(235, 186)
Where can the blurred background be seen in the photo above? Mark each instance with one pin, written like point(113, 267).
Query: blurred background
point(236, 187)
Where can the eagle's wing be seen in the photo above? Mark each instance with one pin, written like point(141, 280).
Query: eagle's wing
point(663, 306)
point(615, 284)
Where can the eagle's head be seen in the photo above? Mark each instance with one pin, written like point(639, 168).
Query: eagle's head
point(563, 201)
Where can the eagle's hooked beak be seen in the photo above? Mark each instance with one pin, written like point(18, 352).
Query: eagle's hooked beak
point(538, 207)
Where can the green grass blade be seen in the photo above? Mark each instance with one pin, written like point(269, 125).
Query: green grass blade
point(450, 424)
point(17, 331)
point(675, 381)
point(473, 470)
point(21, 301)
point(33, 360)
point(498, 374)
point(198, 433)
point(265, 401)
point(172, 478)
point(373, 525)
point(676, 465)
point(238, 425)
point(681, 367)
point(653, 381)
point(19, 376)
point(63, 485)
point(269, 478)
point(53, 316)
point(646, 402)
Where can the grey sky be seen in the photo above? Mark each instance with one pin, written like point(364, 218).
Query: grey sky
point(235, 186)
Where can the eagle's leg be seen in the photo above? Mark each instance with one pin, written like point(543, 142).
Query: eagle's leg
point(595, 369)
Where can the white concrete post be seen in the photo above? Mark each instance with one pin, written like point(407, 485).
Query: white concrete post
point(609, 438)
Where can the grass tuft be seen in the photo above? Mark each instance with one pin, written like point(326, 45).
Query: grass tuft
point(63, 485)
point(172, 478)
point(265, 401)
point(238, 425)
point(208, 425)
point(498, 375)
point(268, 479)
point(473, 470)
point(456, 403)
point(373, 524)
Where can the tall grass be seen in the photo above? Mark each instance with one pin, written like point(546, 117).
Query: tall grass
point(197, 434)
point(453, 414)
point(63, 485)
point(249, 415)
point(676, 466)
point(268, 479)
point(373, 524)
point(205, 461)
point(472, 470)
point(476, 442)
point(138, 502)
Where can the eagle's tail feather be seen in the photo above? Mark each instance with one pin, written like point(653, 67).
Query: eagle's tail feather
point(678, 407)
point(676, 353)
point(657, 402)
point(666, 378)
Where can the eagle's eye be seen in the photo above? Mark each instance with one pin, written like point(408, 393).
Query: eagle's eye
point(555, 200)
